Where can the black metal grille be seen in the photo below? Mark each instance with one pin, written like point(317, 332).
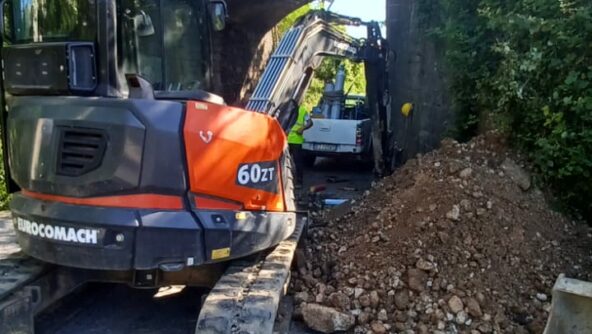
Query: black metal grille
point(81, 150)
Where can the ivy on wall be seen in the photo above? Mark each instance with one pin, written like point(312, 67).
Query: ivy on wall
point(527, 64)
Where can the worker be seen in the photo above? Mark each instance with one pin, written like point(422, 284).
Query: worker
point(295, 141)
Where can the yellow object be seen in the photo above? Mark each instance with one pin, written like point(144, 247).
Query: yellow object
point(240, 215)
point(221, 253)
point(294, 137)
point(406, 109)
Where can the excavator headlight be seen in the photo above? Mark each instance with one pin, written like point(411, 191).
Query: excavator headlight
point(120, 237)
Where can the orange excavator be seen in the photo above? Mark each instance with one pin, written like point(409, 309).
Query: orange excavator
point(122, 165)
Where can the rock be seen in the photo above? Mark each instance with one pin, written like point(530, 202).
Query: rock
point(416, 279)
point(400, 326)
point(465, 204)
point(325, 319)
point(441, 325)
point(461, 317)
point(378, 327)
point(466, 173)
point(485, 328)
point(537, 326)
point(402, 299)
point(422, 329)
point(364, 300)
point(454, 214)
point(444, 237)
point(358, 292)
point(320, 298)
point(301, 297)
point(517, 174)
point(456, 305)
point(348, 291)
point(400, 316)
point(542, 297)
point(382, 316)
point(339, 300)
point(374, 299)
point(474, 308)
point(424, 265)
point(317, 273)
point(363, 318)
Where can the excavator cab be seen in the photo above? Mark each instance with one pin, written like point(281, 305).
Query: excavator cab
point(119, 157)
point(92, 44)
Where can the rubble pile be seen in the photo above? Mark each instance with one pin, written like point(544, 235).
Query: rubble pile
point(456, 241)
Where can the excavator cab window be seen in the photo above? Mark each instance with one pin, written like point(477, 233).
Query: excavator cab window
point(164, 41)
point(49, 21)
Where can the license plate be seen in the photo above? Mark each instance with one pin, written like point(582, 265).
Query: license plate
point(325, 147)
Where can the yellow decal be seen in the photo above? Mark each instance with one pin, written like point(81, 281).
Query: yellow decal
point(221, 253)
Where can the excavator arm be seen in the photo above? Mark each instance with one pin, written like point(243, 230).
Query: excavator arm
point(301, 50)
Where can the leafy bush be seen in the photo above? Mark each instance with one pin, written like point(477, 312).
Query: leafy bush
point(529, 64)
point(355, 80)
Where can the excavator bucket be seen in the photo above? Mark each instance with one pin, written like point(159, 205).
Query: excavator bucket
point(571, 311)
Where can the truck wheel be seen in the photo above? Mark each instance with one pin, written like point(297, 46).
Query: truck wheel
point(309, 160)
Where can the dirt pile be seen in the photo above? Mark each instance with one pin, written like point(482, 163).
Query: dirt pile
point(457, 241)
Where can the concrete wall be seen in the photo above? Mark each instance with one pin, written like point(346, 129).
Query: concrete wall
point(417, 75)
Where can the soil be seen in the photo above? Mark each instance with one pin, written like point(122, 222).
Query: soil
point(456, 241)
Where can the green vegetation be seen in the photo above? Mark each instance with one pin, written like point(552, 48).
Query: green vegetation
point(289, 20)
point(526, 64)
point(355, 81)
point(4, 196)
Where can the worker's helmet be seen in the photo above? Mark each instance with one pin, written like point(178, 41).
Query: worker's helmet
point(406, 109)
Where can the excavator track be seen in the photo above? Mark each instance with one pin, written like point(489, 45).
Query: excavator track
point(244, 300)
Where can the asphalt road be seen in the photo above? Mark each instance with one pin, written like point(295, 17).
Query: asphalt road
point(118, 309)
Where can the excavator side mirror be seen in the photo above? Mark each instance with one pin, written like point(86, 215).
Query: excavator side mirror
point(218, 14)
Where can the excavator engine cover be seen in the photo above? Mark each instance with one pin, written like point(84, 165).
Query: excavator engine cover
point(132, 184)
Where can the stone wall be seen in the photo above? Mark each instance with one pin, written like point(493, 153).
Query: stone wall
point(241, 51)
point(416, 76)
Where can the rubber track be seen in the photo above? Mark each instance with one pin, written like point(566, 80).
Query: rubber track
point(246, 298)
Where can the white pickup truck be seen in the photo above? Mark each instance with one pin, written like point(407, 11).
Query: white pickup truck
point(347, 136)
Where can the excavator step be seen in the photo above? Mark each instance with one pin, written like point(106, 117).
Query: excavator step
point(246, 298)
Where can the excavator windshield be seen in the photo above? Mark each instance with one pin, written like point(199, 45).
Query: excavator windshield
point(166, 42)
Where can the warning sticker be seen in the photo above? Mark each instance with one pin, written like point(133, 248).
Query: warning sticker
point(221, 253)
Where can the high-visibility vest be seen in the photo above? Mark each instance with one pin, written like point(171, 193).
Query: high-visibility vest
point(293, 136)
